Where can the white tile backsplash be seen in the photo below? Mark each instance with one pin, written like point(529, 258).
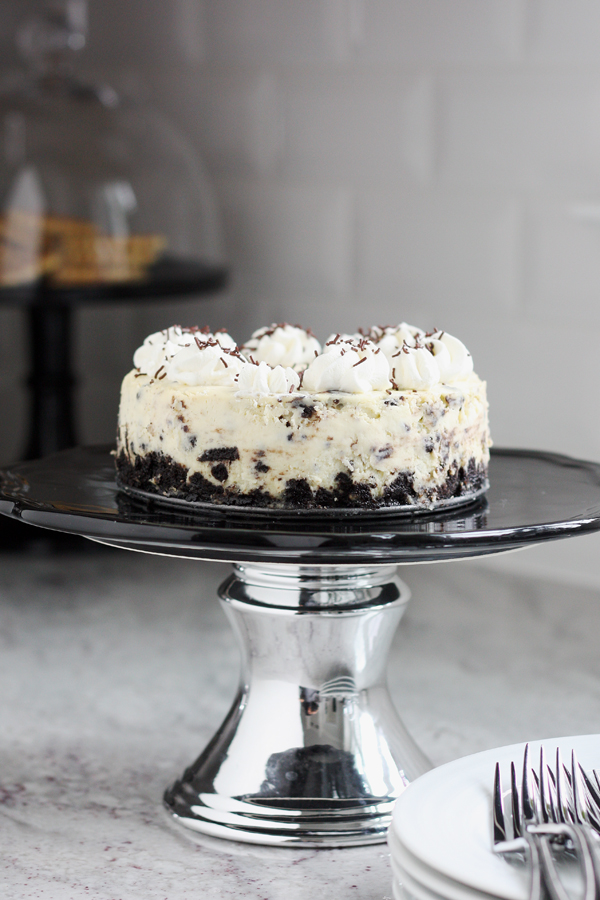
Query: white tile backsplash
point(562, 279)
point(146, 34)
point(289, 240)
point(358, 127)
point(236, 118)
point(521, 129)
point(563, 31)
point(296, 32)
point(344, 27)
point(438, 252)
point(442, 31)
point(539, 398)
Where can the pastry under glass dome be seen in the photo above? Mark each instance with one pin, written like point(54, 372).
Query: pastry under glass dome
point(95, 190)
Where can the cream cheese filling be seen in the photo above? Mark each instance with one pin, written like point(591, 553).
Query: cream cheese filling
point(372, 437)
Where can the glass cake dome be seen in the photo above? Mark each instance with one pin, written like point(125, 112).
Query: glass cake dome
point(97, 193)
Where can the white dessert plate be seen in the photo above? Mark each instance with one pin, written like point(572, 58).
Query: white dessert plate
point(404, 887)
point(421, 880)
point(441, 832)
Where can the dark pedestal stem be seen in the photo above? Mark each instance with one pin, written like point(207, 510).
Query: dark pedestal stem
point(50, 380)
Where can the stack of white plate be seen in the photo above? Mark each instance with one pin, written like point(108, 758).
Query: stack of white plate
point(441, 834)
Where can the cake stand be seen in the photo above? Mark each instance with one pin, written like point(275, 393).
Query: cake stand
point(312, 751)
point(51, 379)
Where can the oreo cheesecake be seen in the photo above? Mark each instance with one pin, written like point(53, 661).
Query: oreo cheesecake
point(393, 416)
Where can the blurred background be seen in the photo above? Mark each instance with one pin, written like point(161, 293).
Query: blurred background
point(434, 161)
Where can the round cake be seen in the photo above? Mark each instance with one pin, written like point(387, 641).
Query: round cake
point(393, 416)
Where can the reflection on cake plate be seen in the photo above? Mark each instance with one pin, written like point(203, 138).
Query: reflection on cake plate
point(312, 751)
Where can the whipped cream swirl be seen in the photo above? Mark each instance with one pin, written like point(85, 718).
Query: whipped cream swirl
point(205, 364)
point(264, 379)
point(399, 358)
point(390, 339)
point(190, 356)
point(349, 365)
point(418, 360)
point(282, 345)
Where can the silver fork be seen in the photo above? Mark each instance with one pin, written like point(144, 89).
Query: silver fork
point(535, 826)
point(579, 795)
point(543, 878)
point(561, 801)
point(571, 797)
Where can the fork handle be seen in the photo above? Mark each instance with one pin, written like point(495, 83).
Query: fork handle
point(537, 890)
point(550, 874)
point(544, 882)
point(589, 840)
point(586, 854)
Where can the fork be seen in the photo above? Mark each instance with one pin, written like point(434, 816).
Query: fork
point(572, 797)
point(542, 879)
point(562, 799)
point(578, 798)
point(539, 820)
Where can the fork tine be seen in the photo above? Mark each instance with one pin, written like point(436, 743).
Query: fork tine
point(595, 773)
point(514, 795)
point(579, 805)
point(552, 793)
point(584, 802)
point(591, 790)
point(552, 799)
point(526, 794)
point(536, 780)
point(562, 790)
point(499, 823)
point(544, 789)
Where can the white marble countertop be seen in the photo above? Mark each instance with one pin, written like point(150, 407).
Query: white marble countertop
point(116, 668)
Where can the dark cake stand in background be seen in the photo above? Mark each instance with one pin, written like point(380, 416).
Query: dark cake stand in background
point(312, 751)
point(49, 310)
point(51, 379)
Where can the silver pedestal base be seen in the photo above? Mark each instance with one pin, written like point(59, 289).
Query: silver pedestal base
point(312, 752)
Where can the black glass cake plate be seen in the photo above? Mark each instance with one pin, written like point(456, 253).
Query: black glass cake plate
point(312, 751)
